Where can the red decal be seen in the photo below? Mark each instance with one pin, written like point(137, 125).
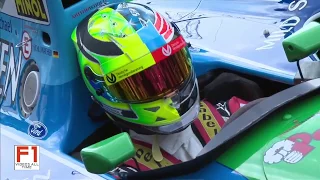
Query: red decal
point(168, 33)
point(293, 149)
point(158, 22)
point(26, 45)
point(26, 154)
point(316, 135)
point(163, 27)
point(302, 141)
point(304, 138)
point(169, 49)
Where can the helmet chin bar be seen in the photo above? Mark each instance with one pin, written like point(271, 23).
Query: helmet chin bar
point(186, 119)
point(175, 96)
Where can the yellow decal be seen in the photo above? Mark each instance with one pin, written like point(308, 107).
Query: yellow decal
point(130, 69)
point(144, 156)
point(208, 121)
point(33, 9)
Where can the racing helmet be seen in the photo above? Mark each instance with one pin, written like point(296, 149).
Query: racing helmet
point(138, 68)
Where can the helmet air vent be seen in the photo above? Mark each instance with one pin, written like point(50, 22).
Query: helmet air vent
point(152, 109)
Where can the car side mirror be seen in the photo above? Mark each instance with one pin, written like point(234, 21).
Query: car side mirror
point(106, 155)
point(303, 43)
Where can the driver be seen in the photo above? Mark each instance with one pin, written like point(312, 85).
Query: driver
point(139, 70)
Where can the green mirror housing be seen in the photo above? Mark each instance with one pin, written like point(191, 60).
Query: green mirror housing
point(106, 155)
point(302, 43)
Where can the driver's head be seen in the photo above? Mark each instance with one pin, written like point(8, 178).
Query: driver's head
point(138, 68)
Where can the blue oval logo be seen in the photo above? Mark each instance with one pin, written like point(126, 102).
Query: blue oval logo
point(37, 130)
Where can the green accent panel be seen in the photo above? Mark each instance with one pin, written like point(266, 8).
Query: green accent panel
point(303, 161)
point(302, 43)
point(74, 37)
point(105, 155)
point(246, 156)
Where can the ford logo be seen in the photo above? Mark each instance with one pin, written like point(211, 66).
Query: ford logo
point(37, 130)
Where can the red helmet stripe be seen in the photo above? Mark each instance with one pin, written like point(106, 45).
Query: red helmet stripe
point(168, 33)
point(164, 26)
point(158, 22)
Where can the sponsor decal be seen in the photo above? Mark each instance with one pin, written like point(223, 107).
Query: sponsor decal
point(5, 25)
point(111, 79)
point(223, 109)
point(90, 8)
point(169, 49)
point(166, 50)
point(55, 54)
point(208, 120)
point(43, 50)
point(33, 9)
point(130, 69)
point(145, 159)
point(9, 69)
point(26, 157)
point(27, 46)
point(226, 109)
point(75, 172)
point(144, 156)
point(145, 62)
point(126, 72)
point(293, 149)
point(286, 26)
point(37, 130)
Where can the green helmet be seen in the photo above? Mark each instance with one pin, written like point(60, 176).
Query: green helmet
point(138, 68)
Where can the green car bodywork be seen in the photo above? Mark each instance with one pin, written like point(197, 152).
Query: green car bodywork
point(298, 122)
point(285, 145)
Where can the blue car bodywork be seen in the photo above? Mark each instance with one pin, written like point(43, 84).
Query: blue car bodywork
point(239, 36)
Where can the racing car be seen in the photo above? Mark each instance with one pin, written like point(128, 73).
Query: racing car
point(44, 103)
